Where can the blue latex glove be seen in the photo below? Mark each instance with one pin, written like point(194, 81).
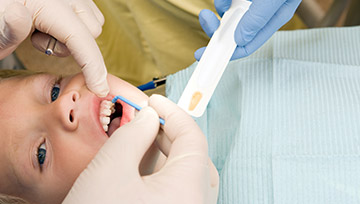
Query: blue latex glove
point(259, 23)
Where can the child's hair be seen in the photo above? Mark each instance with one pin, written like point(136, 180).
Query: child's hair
point(4, 74)
point(8, 73)
point(6, 199)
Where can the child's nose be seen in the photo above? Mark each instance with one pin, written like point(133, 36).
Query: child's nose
point(67, 110)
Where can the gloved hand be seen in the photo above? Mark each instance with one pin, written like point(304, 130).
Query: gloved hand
point(258, 24)
point(187, 176)
point(74, 23)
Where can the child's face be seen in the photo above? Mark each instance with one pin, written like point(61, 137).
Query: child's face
point(68, 128)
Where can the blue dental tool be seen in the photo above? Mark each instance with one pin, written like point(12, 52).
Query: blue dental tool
point(152, 84)
point(137, 107)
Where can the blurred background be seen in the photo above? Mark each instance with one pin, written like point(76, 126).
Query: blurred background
point(125, 57)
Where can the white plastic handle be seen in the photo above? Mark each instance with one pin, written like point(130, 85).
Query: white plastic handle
point(213, 62)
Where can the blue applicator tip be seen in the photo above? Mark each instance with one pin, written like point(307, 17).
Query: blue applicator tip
point(137, 107)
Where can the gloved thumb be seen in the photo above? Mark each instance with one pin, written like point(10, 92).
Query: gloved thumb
point(15, 26)
point(128, 144)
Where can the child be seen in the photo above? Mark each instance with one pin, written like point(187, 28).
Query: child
point(51, 128)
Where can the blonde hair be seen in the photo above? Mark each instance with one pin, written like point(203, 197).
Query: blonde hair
point(6, 199)
point(8, 73)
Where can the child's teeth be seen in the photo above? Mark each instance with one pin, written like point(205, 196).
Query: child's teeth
point(106, 109)
point(105, 120)
point(103, 103)
point(105, 127)
point(105, 112)
point(106, 104)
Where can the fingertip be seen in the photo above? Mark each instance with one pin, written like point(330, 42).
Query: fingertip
point(101, 90)
point(214, 174)
point(209, 22)
point(18, 19)
point(240, 52)
point(156, 99)
point(222, 5)
point(147, 115)
point(96, 79)
point(162, 105)
point(95, 29)
point(198, 53)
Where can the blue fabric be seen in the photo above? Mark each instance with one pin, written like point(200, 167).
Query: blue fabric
point(283, 125)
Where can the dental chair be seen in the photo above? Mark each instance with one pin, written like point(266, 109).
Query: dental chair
point(314, 16)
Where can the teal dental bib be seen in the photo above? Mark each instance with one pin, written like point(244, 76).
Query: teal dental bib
point(283, 125)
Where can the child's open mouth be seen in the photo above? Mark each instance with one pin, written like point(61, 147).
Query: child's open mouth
point(113, 116)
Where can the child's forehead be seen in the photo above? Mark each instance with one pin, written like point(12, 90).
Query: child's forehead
point(8, 174)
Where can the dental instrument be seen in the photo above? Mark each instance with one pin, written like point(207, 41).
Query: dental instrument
point(51, 46)
point(137, 107)
point(152, 84)
point(212, 64)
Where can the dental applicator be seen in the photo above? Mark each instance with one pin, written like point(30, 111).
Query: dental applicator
point(137, 107)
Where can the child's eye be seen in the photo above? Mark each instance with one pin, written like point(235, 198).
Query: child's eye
point(41, 154)
point(55, 92)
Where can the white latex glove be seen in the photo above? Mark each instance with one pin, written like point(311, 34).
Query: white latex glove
point(188, 175)
point(74, 23)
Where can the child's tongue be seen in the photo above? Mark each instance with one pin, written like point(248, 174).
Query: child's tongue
point(127, 116)
point(115, 124)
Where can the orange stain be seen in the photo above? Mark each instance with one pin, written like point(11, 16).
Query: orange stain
point(195, 100)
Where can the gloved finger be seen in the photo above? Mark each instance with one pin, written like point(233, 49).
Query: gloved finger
point(87, 16)
point(128, 144)
point(163, 143)
point(221, 6)
point(213, 182)
point(214, 176)
point(41, 40)
point(208, 21)
point(67, 28)
point(184, 134)
point(198, 53)
point(15, 25)
point(254, 20)
point(282, 16)
point(97, 12)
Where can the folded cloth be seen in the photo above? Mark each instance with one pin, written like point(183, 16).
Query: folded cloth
point(283, 124)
